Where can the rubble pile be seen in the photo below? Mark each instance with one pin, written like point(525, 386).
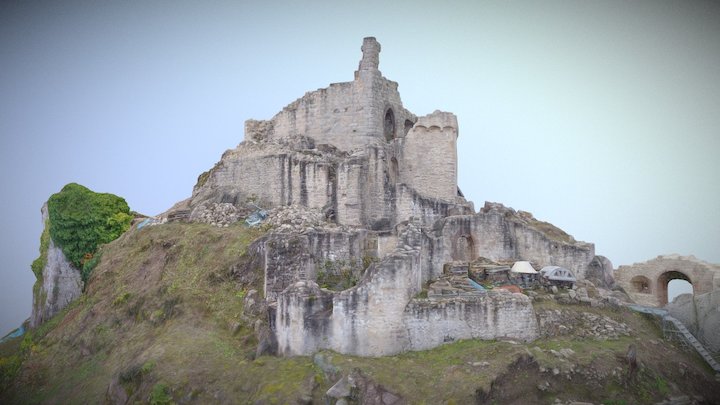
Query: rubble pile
point(560, 322)
point(295, 218)
point(216, 214)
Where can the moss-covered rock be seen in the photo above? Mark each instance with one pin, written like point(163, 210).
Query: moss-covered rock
point(81, 220)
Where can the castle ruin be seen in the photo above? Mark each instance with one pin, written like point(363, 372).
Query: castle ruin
point(385, 182)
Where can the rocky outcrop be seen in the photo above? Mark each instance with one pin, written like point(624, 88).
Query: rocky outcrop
point(701, 315)
point(60, 285)
point(600, 272)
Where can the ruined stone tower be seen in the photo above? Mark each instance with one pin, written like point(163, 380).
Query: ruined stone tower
point(385, 183)
point(351, 148)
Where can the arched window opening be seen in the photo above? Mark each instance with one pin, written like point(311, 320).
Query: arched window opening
point(389, 125)
point(641, 284)
point(408, 126)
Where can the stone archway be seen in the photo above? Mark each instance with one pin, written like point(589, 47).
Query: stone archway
point(663, 281)
point(658, 272)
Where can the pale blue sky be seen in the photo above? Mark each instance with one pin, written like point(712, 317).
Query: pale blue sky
point(601, 117)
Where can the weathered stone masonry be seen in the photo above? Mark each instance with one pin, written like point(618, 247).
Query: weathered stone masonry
point(386, 180)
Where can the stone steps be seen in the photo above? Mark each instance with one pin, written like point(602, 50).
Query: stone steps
point(692, 341)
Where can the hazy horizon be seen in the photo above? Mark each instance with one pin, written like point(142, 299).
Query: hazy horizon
point(599, 117)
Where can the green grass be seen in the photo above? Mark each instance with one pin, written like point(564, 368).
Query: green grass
point(163, 316)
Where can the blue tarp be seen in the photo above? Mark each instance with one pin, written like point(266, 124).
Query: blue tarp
point(256, 217)
point(12, 335)
point(476, 285)
point(146, 221)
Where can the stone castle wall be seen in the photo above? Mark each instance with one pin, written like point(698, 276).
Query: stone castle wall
point(493, 235)
point(378, 316)
point(493, 315)
point(388, 180)
point(287, 258)
point(346, 115)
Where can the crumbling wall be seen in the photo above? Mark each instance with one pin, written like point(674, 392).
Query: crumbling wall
point(243, 173)
point(291, 257)
point(378, 316)
point(496, 233)
point(347, 115)
point(365, 320)
point(491, 315)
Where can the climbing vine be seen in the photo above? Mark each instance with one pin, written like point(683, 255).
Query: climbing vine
point(39, 264)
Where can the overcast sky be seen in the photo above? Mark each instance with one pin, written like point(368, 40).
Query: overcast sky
point(601, 117)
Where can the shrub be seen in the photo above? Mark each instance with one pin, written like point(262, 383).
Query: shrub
point(81, 220)
point(160, 395)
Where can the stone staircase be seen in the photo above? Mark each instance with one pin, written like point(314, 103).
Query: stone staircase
point(673, 326)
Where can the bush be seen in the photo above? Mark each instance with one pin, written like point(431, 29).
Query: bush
point(160, 395)
point(81, 220)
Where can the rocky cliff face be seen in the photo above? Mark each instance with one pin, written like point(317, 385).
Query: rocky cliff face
point(701, 315)
point(60, 285)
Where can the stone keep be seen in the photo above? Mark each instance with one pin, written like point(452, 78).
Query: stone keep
point(352, 149)
point(385, 180)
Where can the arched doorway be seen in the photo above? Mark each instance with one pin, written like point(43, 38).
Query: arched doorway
point(663, 282)
point(389, 125)
point(464, 249)
point(678, 287)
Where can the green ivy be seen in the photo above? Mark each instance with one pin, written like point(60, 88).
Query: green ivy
point(81, 220)
point(39, 264)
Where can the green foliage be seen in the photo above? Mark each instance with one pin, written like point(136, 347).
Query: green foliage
point(9, 367)
point(89, 264)
point(160, 395)
point(121, 298)
point(39, 264)
point(147, 367)
point(202, 179)
point(81, 220)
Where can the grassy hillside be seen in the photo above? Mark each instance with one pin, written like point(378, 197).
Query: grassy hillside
point(162, 321)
